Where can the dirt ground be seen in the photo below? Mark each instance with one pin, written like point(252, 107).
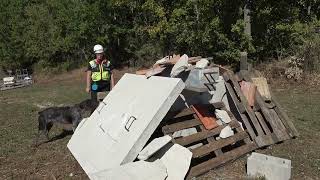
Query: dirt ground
point(52, 160)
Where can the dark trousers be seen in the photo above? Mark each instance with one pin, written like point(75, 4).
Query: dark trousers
point(102, 87)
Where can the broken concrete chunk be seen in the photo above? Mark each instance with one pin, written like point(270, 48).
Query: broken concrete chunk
point(184, 132)
point(226, 132)
point(220, 93)
point(202, 64)
point(153, 147)
point(180, 66)
point(195, 146)
point(223, 116)
point(272, 168)
point(141, 170)
point(177, 161)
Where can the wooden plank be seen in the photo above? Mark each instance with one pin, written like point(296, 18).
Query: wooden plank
point(279, 128)
point(218, 105)
point(285, 119)
point(184, 112)
point(217, 152)
point(246, 105)
point(204, 134)
point(262, 122)
point(179, 126)
point(215, 162)
point(273, 119)
point(234, 98)
point(244, 120)
point(208, 148)
point(248, 126)
point(266, 140)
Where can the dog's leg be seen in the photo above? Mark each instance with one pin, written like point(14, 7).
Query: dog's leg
point(41, 128)
point(48, 127)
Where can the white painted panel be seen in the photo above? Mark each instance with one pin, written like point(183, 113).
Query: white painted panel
point(122, 124)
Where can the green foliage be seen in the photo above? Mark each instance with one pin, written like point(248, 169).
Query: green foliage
point(61, 33)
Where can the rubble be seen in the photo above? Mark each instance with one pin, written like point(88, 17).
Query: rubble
point(226, 132)
point(210, 114)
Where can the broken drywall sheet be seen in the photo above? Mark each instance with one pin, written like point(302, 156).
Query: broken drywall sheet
point(141, 170)
point(177, 161)
point(180, 66)
point(202, 63)
point(123, 122)
point(155, 145)
point(226, 132)
point(272, 168)
point(184, 132)
point(223, 116)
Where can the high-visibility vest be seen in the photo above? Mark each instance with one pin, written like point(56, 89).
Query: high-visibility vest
point(100, 71)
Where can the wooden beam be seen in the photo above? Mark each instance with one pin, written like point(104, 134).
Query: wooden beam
point(212, 146)
point(217, 161)
point(204, 134)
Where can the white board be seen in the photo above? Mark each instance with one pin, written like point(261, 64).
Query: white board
point(122, 124)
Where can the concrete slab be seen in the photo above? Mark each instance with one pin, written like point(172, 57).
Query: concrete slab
point(272, 168)
point(153, 147)
point(177, 161)
point(141, 170)
point(226, 132)
point(223, 116)
point(123, 122)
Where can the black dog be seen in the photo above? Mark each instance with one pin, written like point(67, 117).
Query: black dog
point(64, 115)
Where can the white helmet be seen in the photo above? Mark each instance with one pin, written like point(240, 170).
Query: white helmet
point(98, 49)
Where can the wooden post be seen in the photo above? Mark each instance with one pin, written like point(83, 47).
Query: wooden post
point(246, 17)
point(243, 61)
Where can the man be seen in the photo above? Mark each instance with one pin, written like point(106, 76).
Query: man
point(99, 74)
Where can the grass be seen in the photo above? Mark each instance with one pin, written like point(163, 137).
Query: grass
point(18, 124)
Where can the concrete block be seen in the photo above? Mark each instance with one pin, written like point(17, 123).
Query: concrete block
point(177, 161)
point(272, 168)
point(226, 132)
point(123, 122)
point(141, 170)
point(223, 116)
point(153, 147)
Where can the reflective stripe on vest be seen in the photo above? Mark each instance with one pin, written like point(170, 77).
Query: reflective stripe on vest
point(99, 72)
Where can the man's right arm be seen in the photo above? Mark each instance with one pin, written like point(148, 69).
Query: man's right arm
point(88, 81)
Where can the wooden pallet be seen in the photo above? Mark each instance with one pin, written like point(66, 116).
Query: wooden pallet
point(212, 153)
point(262, 122)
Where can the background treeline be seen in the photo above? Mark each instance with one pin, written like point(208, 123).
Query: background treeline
point(61, 33)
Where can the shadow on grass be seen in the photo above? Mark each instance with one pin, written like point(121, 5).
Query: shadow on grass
point(62, 135)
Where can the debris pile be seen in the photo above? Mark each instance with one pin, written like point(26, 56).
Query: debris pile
point(20, 79)
point(178, 119)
